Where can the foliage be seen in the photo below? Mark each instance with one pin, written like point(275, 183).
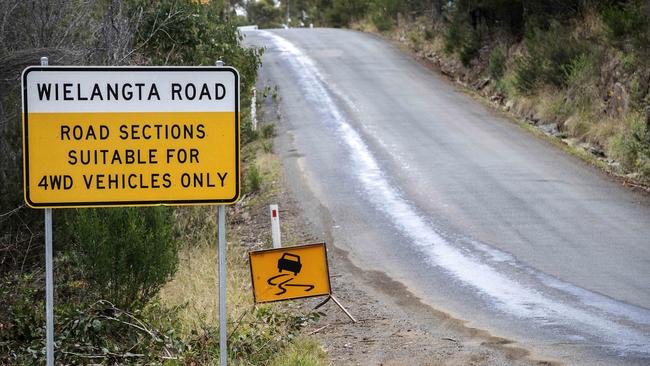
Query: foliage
point(96, 332)
point(101, 332)
point(247, 133)
point(264, 13)
point(626, 20)
point(69, 32)
point(631, 146)
point(257, 344)
point(455, 33)
point(253, 179)
point(301, 353)
point(382, 22)
point(343, 12)
point(461, 37)
point(548, 54)
point(268, 130)
point(497, 63)
point(470, 48)
point(186, 33)
point(126, 254)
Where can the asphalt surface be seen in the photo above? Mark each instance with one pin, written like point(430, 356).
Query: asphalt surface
point(473, 214)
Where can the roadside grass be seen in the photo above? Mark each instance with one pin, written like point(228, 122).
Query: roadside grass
point(266, 334)
point(303, 352)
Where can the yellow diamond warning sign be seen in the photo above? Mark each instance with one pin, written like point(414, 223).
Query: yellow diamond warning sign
point(290, 273)
point(125, 136)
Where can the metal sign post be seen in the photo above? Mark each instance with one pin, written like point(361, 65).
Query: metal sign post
point(223, 349)
point(49, 289)
point(49, 279)
point(223, 339)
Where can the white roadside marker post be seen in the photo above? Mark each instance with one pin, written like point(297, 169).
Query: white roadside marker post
point(254, 110)
point(49, 278)
point(275, 226)
point(223, 339)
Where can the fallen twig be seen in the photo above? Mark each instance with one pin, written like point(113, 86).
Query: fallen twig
point(318, 330)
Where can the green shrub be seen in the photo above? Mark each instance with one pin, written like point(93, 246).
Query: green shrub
point(497, 63)
point(267, 146)
point(548, 54)
point(578, 71)
point(126, 254)
point(383, 22)
point(187, 33)
point(639, 96)
point(253, 179)
point(627, 20)
point(631, 147)
point(342, 12)
point(581, 91)
point(264, 13)
point(428, 34)
point(470, 48)
point(268, 130)
point(526, 74)
point(454, 33)
point(461, 37)
point(246, 129)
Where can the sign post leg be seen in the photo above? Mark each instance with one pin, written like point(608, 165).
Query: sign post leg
point(49, 278)
point(331, 297)
point(49, 289)
point(223, 349)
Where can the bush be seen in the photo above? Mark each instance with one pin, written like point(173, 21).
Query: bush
point(382, 22)
point(342, 12)
point(631, 147)
point(126, 254)
point(253, 179)
point(268, 131)
point(548, 54)
point(267, 146)
point(384, 13)
point(264, 13)
point(189, 33)
point(454, 33)
point(497, 63)
point(625, 20)
point(462, 37)
point(470, 48)
point(526, 74)
point(246, 129)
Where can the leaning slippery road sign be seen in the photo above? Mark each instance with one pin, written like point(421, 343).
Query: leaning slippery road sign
point(128, 136)
point(289, 273)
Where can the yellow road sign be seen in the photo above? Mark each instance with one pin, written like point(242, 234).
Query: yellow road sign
point(289, 273)
point(126, 136)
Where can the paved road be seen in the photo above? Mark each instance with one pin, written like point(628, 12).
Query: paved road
point(473, 214)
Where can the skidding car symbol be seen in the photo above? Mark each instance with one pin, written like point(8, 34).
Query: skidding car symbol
point(291, 265)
